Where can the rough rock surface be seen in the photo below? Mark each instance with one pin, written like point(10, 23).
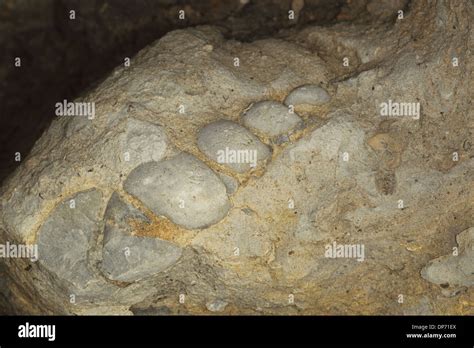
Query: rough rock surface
point(396, 190)
point(457, 268)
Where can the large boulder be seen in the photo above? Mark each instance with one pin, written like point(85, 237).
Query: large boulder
point(338, 217)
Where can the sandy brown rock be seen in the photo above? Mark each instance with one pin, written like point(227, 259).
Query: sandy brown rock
point(343, 215)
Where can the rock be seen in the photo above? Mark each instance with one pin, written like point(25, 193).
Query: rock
point(130, 258)
point(422, 307)
point(118, 216)
point(385, 9)
point(270, 118)
point(230, 183)
point(232, 145)
point(307, 230)
point(161, 310)
point(454, 270)
point(142, 142)
point(453, 291)
point(67, 235)
point(352, 176)
point(281, 139)
point(104, 310)
point(216, 305)
point(241, 237)
point(182, 188)
point(307, 95)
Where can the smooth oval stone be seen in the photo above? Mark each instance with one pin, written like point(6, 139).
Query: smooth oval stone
point(182, 188)
point(232, 145)
point(271, 118)
point(308, 95)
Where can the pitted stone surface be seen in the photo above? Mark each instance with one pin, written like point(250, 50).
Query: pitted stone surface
point(271, 118)
point(66, 236)
point(307, 95)
point(182, 188)
point(130, 258)
point(232, 145)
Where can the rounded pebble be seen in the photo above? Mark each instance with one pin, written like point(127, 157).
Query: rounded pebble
point(308, 95)
point(182, 188)
point(271, 118)
point(232, 145)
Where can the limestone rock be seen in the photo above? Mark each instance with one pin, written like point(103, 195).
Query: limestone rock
point(252, 236)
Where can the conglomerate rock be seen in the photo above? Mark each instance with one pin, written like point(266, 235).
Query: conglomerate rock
point(373, 180)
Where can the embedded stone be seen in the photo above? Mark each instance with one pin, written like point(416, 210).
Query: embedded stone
point(67, 235)
point(307, 95)
point(271, 118)
point(232, 145)
point(457, 270)
point(230, 183)
point(323, 188)
point(129, 258)
point(182, 188)
point(118, 216)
